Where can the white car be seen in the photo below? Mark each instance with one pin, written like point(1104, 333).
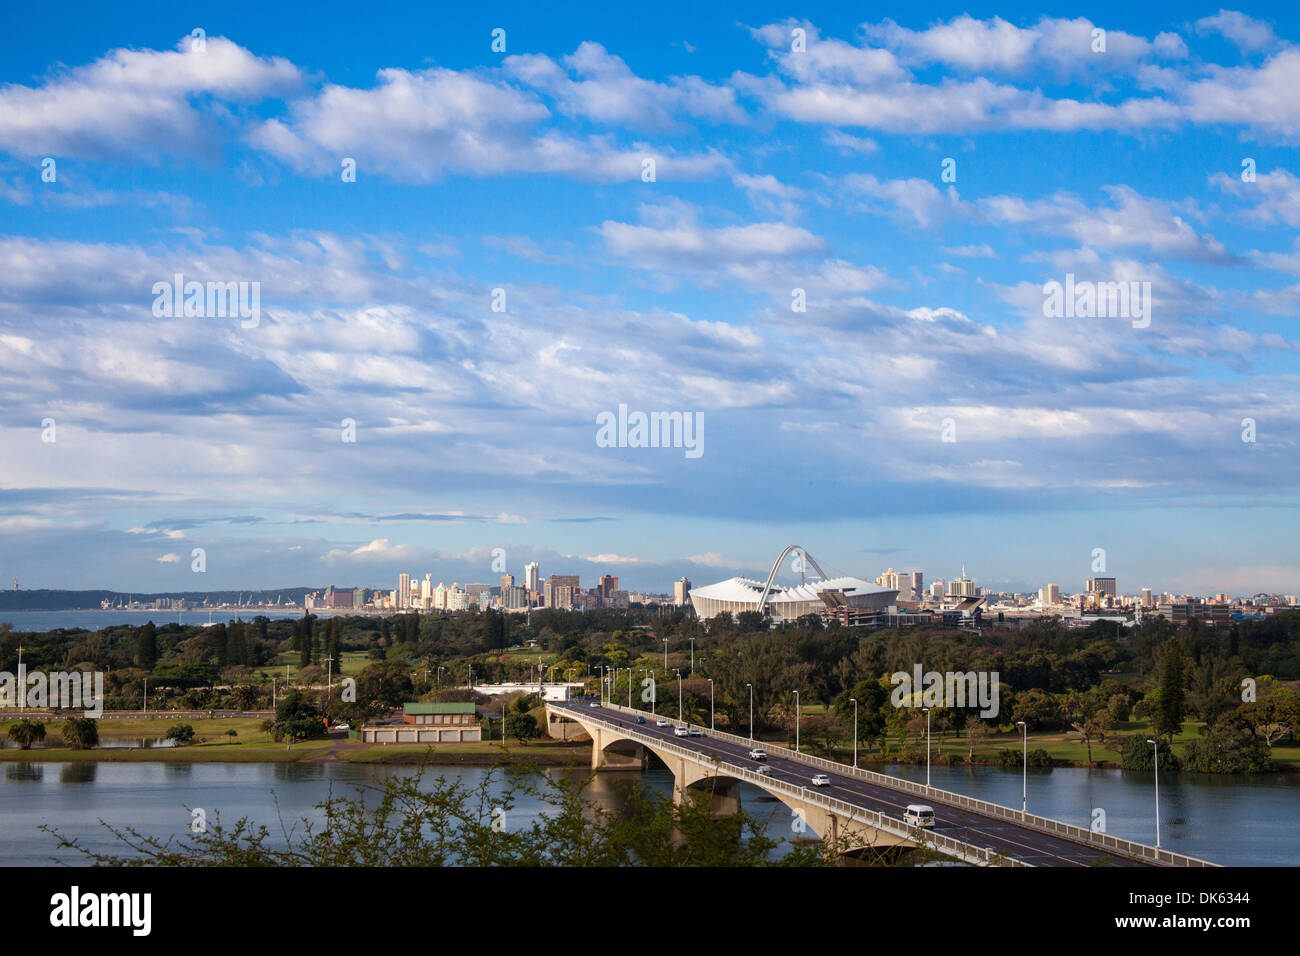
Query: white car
point(757, 754)
point(593, 704)
point(821, 780)
point(696, 732)
point(661, 723)
point(918, 815)
point(765, 770)
point(681, 732)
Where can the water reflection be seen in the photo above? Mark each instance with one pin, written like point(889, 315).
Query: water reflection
point(82, 771)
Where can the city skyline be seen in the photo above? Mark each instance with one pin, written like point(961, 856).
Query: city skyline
point(827, 245)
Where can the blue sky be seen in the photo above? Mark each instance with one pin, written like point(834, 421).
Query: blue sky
point(775, 169)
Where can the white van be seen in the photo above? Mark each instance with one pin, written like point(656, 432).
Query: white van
point(918, 815)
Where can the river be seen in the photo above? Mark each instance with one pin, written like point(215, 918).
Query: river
point(1229, 820)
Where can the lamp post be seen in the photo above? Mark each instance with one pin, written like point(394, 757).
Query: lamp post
point(1156, 752)
point(854, 701)
point(751, 711)
point(629, 688)
point(796, 721)
point(146, 694)
point(711, 703)
point(665, 653)
point(692, 657)
point(503, 722)
point(679, 696)
point(146, 687)
point(1024, 769)
point(927, 748)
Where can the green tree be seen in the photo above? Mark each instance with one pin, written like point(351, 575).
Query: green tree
point(522, 727)
point(296, 718)
point(146, 648)
point(80, 733)
point(26, 732)
point(181, 733)
point(1173, 690)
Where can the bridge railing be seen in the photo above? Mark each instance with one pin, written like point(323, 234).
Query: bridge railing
point(852, 813)
point(1069, 831)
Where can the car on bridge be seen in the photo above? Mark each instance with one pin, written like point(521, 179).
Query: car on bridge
point(661, 723)
point(821, 780)
point(764, 770)
point(680, 732)
point(696, 732)
point(640, 720)
point(594, 704)
point(919, 815)
point(757, 754)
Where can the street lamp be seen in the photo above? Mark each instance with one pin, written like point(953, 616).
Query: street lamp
point(854, 701)
point(503, 722)
point(629, 688)
point(692, 657)
point(796, 721)
point(1156, 751)
point(679, 696)
point(1024, 769)
point(751, 711)
point(711, 703)
point(665, 653)
point(927, 748)
point(654, 690)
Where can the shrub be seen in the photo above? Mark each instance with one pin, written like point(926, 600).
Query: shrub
point(81, 733)
point(181, 733)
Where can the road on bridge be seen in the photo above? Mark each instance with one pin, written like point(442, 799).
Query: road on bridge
point(1005, 837)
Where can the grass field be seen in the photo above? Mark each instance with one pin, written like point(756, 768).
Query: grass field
point(252, 745)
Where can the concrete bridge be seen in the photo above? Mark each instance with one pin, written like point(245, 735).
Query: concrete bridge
point(859, 809)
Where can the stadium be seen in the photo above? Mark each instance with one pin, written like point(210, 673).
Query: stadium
point(782, 603)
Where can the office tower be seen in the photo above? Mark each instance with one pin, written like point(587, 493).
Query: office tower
point(918, 585)
point(1146, 598)
point(681, 591)
point(507, 581)
point(560, 589)
point(1102, 586)
point(608, 585)
point(403, 590)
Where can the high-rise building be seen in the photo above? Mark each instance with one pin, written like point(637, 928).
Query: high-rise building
point(918, 585)
point(507, 581)
point(1101, 586)
point(559, 590)
point(532, 576)
point(440, 597)
point(608, 585)
point(681, 591)
point(1146, 598)
point(963, 587)
point(403, 590)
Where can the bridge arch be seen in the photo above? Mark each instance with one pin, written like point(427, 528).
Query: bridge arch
point(776, 566)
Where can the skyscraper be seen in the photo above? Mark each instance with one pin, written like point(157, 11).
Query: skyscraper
point(403, 590)
point(681, 591)
point(532, 576)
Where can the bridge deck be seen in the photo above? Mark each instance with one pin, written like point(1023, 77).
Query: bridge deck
point(1019, 842)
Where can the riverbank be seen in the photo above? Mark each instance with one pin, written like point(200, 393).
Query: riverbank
point(241, 740)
